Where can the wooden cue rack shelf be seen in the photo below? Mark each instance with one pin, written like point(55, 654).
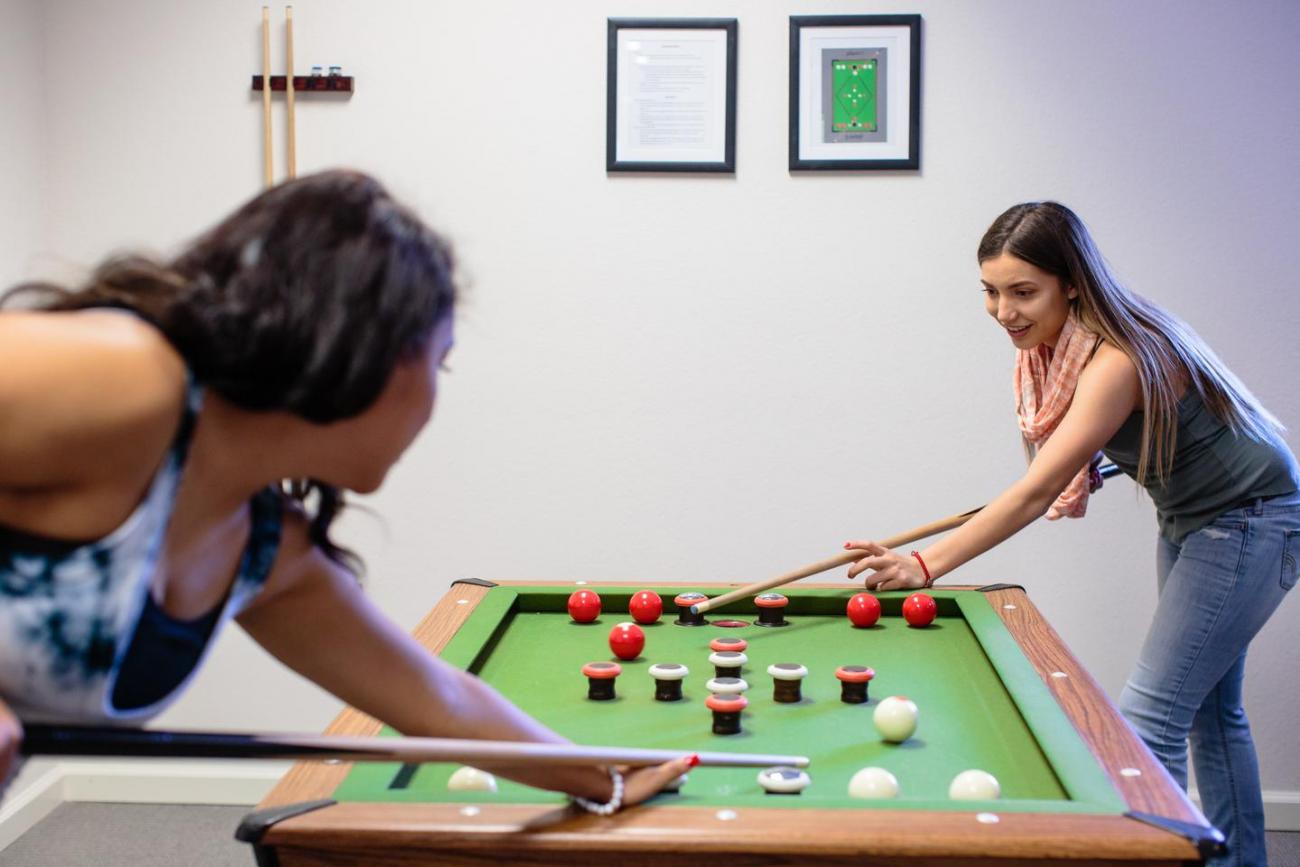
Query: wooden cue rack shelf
point(309, 83)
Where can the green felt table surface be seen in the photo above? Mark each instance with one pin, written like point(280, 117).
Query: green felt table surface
point(981, 705)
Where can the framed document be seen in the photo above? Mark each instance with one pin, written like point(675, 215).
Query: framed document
point(855, 92)
point(671, 95)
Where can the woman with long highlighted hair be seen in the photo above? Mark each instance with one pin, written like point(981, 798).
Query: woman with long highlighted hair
point(1101, 370)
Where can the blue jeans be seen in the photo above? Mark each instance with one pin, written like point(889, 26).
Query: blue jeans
point(1217, 588)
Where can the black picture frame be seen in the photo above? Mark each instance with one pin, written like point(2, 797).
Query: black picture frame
point(884, 48)
point(726, 162)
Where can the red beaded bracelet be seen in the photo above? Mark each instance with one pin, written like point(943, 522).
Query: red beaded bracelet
point(929, 582)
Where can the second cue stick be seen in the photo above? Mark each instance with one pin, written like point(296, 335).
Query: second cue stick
point(267, 175)
point(843, 559)
point(151, 743)
point(288, 92)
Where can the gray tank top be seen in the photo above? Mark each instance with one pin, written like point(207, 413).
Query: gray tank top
point(1214, 470)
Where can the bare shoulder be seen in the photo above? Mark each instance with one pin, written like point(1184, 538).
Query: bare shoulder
point(1113, 373)
point(97, 329)
point(83, 391)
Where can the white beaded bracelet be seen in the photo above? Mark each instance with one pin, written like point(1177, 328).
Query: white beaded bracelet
point(615, 800)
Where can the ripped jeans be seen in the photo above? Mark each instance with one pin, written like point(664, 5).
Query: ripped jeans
point(1217, 589)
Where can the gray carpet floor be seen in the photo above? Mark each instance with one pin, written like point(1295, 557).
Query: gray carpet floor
point(132, 835)
point(150, 835)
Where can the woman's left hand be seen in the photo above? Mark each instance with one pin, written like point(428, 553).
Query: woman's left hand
point(890, 571)
point(641, 784)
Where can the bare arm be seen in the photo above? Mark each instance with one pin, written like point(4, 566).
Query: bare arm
point(1107, 393)
point(348, 641)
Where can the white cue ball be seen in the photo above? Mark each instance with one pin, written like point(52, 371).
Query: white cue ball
point(974, 785)
point(873, 783)
point(783, 780)
point(467, 779)
point(895, 718)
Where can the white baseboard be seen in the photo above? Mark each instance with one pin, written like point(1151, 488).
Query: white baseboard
point(1281, 809)
point(235, 783)
point(24, 808)
point(168, 781)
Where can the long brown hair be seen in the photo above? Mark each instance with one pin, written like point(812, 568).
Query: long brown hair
point(1168, 354)
point(302, 300)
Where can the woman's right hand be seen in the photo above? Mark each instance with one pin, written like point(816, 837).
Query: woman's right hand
point(11, 738)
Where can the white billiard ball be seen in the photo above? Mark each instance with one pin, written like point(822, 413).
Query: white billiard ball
point(974, 785)
point(895, 718)
point(873, 783)
point(783, 780)
point(467, 779)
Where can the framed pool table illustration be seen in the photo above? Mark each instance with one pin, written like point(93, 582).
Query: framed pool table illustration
point(855, 92)
point(996, 690)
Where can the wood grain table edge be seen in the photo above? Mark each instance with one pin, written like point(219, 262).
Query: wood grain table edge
point(507, 828)
point(1143, 783)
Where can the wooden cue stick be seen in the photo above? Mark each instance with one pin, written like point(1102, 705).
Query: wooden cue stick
point(849, 556)
point(268, 176)
point(146, 743)
point(288, 91)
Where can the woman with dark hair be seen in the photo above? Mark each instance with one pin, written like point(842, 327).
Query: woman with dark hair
point(176, 439)
point(1100, 369)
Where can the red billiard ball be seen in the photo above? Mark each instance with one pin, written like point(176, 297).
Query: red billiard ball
point(584, 606)
point(646, 606)
point(863, 609)
point(919, 609)
point(626, 640)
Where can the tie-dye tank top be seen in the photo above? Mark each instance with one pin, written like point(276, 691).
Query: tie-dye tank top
point(70, 613)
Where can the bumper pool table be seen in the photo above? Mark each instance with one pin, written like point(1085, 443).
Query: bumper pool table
point(995, 687)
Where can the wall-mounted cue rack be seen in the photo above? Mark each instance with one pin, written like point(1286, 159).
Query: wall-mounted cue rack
point(290, 85)
point(308, 83)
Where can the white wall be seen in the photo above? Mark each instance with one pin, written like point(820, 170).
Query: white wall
point(22, 163)
point(679, 378)
point(22, 121)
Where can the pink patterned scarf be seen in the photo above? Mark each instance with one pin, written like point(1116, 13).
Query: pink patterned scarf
point(1044, 383)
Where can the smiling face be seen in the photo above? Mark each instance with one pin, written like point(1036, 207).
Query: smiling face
point(1031, 304)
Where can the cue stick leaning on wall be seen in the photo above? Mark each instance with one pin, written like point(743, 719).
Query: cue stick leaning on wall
point(54, 740)
point(268, 176)
point(847, 557)
point(288, 92)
